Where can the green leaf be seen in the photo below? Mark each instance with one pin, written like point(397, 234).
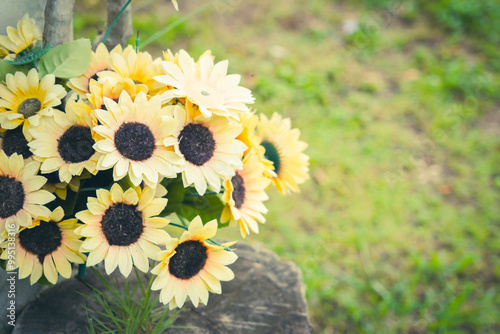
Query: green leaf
point(175, 198)
point(66, 60)
point(6, 68)
point(208, 207)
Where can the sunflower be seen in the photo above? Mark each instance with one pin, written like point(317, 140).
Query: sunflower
point(20, 196)
point(206, 85)
point(192, 267)
point(99, 62)
point(112, 88)
point(25, 99)
point(283, 148)
point(133, 133)
point(26, 34)
point(14, 141)
point(47, 247)
point(244, 195)
point(122, 229)
point(64, 143)
point(138, 66)
point(208, 146)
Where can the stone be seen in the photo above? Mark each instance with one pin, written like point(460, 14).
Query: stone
point(23, 294)
point(266, 296)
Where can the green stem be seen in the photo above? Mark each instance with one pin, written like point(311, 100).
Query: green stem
point(212, 241)
point(82, 270)
point(137, 42)
point(115, 20)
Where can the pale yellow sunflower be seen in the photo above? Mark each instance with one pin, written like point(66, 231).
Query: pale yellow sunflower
point(206, 85)
point(208, 146)
point(112, 88)
point(140, 67)
point(192, 267)
point(245, 194)
point(122, 228)
point(99, 62)
point(47, 247)
point(283, 147)
point(64, 143)
point(25, 99)
point(20, 196)
point(133, 133)
point(26, 34)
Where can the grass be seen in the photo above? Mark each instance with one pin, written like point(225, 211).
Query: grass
point(398, 229)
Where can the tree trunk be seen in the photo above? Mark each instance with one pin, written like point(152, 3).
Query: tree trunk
point(122, 30)
point(58, 21)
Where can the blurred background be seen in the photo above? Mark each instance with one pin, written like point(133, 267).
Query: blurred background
point(398, 229)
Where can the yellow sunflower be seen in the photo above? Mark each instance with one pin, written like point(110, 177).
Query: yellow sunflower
point(25, 99)
point(14, 141)
point(245, 194)
point(47, 247)
point(208, 146)
point(20, 196)
point(133, 133)
point(140, 67)
point(26, 34)
point(191, 267)
point(206, 85)
point(284, 149)
point(64, 143)
point(122, 229)
point(99, 62)
point(112, 88)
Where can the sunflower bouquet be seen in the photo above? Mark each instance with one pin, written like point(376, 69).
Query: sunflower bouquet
point(101, 150)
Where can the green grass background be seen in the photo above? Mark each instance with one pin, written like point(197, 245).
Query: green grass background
point(398, 229)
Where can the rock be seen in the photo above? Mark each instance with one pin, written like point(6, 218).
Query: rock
point(266, 296)
point(22, 293)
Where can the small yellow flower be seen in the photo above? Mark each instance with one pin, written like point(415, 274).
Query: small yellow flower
point(133, 133)
point(122, 228)
point(47, 247)
point(245, 194)
point(191, 267)
point(64, 143)
point(20, 196)
point(285, 150)
point(25, 99)
point(99, 62)
point(208, 146)
point(26, 34)
point(206, 85)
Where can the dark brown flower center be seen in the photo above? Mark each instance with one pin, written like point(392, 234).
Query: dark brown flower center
point(11, 196)
point(15, 142)
point(135, 141)
point(75, 145)
point(272, 155)
point(30, 107)
point(238, 190)
point(196, 143)
point(122, 224)
point(42, 239)
point(189, 258)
